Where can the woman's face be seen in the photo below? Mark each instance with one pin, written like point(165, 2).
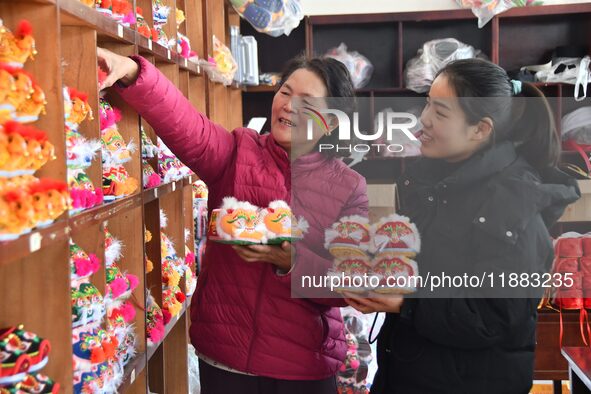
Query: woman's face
point(301, 88)
point(446, 133)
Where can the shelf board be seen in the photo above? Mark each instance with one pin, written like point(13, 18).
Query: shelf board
point(74, 13)
point(162, 190)
point(169, 326)
point(104, 212)
point(33, 241)
point(132, 370)
point(160, 52)
point(260, 89)
point(188, 65)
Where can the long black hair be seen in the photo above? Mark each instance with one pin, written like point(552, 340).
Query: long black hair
point(524, 118)
point(340, 91)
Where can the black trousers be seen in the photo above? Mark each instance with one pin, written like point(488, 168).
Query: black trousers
point(217, 381)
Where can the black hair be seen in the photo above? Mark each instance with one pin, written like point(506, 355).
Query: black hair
point(528, 123)
point(340, 91)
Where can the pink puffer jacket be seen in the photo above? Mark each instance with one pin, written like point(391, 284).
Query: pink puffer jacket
point(243, 314)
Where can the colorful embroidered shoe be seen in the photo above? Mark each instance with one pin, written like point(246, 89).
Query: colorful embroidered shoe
point(82, 191)
point(123, 12)
point(172, 302)
point(82, 265)
point(120, 285)
point(24, 149)
point(88, 308)
point(351, 272)
point(149, 177)
point(141, 24)
point(160, 13)
point(567, 246)
point(7, 87)
point(240, 222)
point(125, 311)
point(88, 382)
point(50, 200)
point(395, 273)
point(104, 6)
point(200, 189)
point(348, 237)
point(33, 384)
point(170, 276)
point(17, 48)
point(78, 107)
point(115, 151)
point(17, 215)
point(92, 348)
point(117, 183)
point(16, 339)
point(149, 150)
point(30, 109)
point(281, 224)
point(155, 328)
point(168, 254)
point(396, 233)
point(23, 88)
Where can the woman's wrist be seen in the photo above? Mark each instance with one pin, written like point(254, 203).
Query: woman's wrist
point(132, 74)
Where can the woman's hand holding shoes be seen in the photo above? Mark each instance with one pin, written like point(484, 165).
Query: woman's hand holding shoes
point(383, 303)
point(278, 255)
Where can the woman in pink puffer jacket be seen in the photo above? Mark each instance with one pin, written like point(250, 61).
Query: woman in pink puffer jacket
point(251, 333)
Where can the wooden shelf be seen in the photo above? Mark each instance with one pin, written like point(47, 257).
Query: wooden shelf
point(40, 260)
point(32, 242)
point(260, 89)
point(104, 212)
point(74, 13)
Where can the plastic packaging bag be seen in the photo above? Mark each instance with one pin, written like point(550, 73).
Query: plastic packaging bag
point(574, 71)
point(359, 361)
point(222, 67)
point(194, 385)
point(358, 65)
point(485, 10)
point(273, 17)
point(433, 56)
point(576, 126)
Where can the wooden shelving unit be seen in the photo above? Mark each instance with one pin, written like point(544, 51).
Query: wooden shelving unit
point(34, 269)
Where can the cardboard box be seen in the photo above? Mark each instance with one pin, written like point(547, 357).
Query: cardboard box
point(580, 211)
point(383, 200)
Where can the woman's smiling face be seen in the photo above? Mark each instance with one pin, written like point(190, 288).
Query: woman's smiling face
point(446, 133)
point(303, 86)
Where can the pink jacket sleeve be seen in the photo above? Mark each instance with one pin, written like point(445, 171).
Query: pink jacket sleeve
point(204, 146)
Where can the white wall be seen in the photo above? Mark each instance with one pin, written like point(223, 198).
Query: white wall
point(329, 7)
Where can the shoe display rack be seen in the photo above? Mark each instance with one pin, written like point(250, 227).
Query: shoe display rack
point(35, 286)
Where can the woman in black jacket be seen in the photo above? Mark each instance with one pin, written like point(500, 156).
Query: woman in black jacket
point(483, 197)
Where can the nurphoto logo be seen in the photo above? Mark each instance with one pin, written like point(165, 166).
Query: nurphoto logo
point(392, 124)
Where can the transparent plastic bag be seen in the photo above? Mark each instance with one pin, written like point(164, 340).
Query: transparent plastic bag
point(222, 67)
point(574, 71)
point(433, 56)
point(576, 126)
point(358, 65)
point(273, 17)
point(194, 385)
point(485, 10)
